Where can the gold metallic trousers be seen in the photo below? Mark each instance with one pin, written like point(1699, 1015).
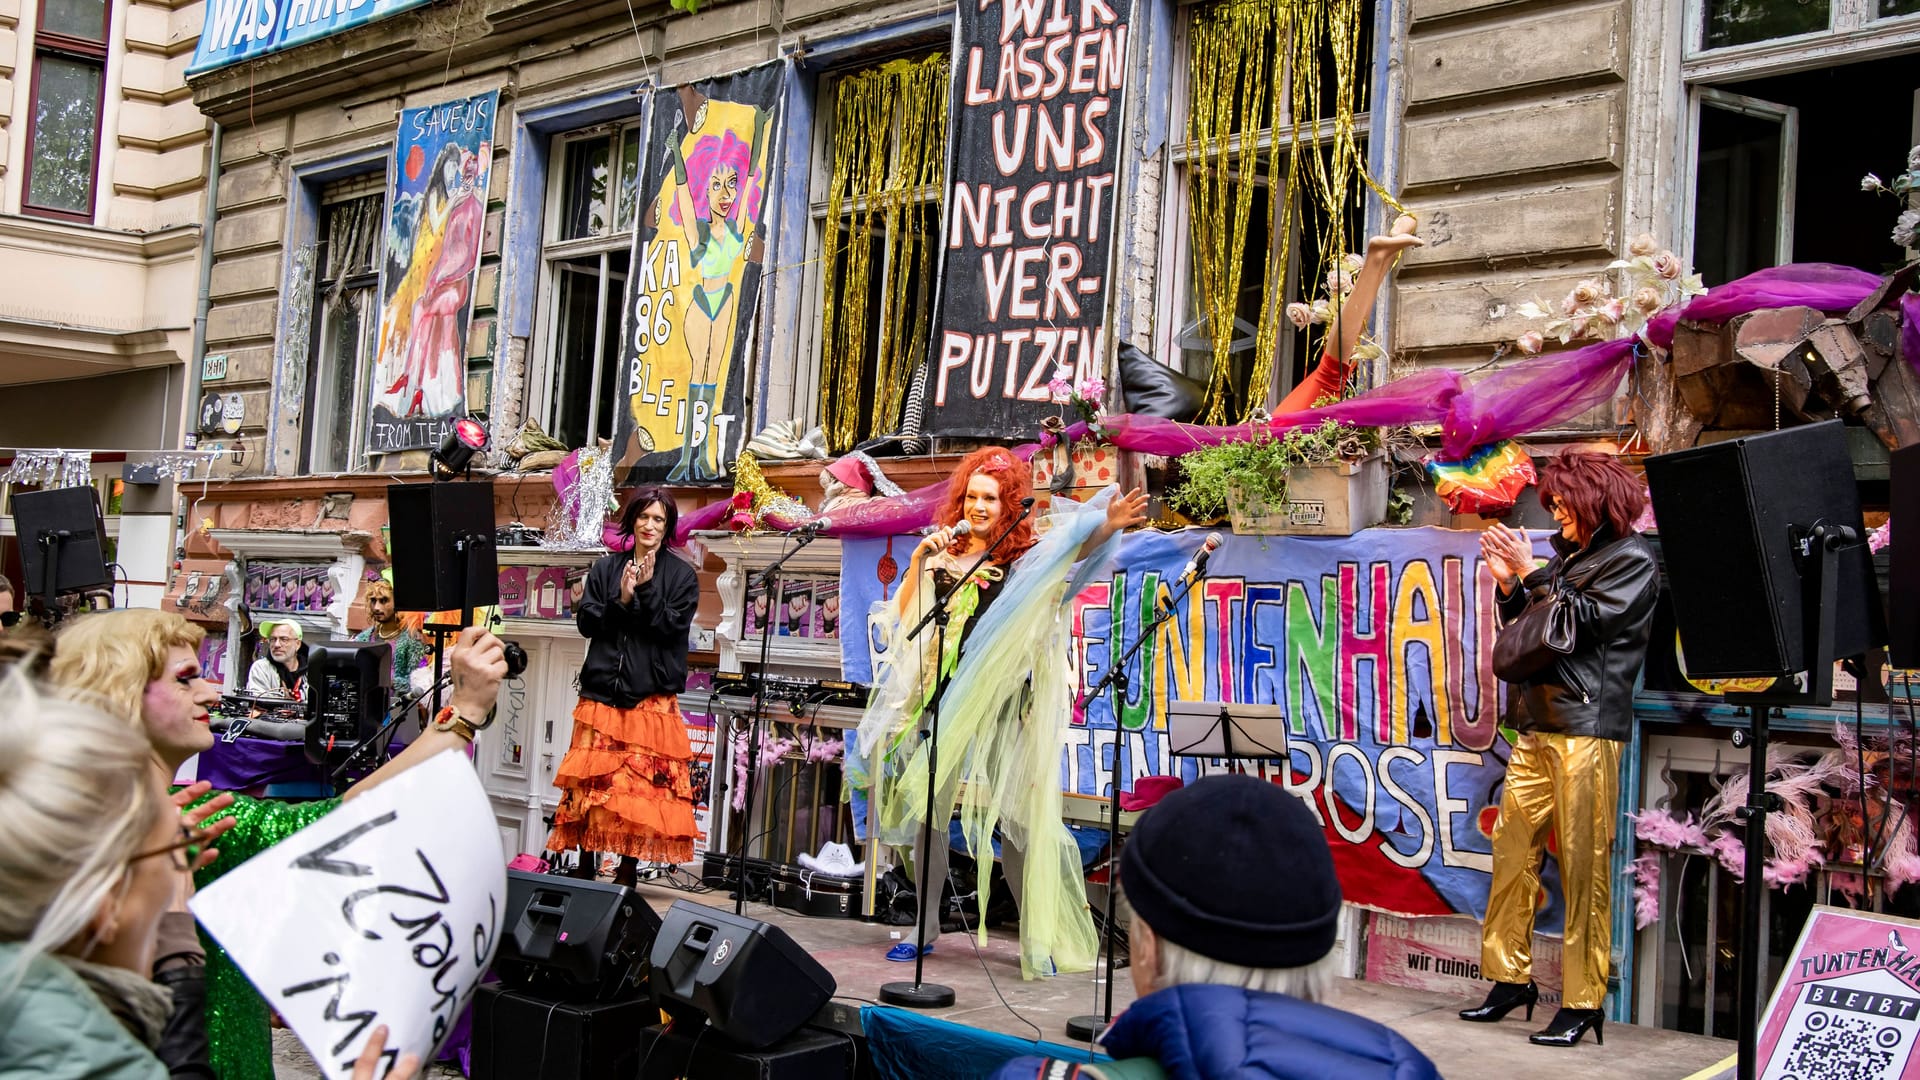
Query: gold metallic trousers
point(1568, 784)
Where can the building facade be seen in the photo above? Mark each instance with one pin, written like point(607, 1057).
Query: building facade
point(1532, 138)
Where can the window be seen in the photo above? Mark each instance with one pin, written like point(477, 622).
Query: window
point(1267, 187)
point(1730, 23)
point(593, 195)
point(874, 240)
point(346, 322)
point(69, 77)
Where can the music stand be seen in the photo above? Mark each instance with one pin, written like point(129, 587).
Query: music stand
point(1226, 729)
point(59, 539)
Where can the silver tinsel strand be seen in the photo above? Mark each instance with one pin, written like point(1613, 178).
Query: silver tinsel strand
point(578, 519)
point(50, 468)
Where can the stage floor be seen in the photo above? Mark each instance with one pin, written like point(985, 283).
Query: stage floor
point(989, 994)
point(854, 952)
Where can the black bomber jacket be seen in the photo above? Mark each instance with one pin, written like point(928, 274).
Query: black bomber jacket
point(638, 649)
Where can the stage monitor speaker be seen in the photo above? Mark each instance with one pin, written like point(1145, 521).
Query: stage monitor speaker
point(522, 1036)
point(59, 530)
point(753, 982)
point(570, 939)
point(1903, 582)
point(1732, 520)
point(431, 526)
point(348, 685)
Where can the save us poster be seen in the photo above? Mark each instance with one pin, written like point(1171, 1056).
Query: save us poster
point(696, 277)
point(436, 221)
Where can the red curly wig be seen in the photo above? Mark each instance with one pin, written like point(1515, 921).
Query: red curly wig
point(1015, 479)
point(1596, 489)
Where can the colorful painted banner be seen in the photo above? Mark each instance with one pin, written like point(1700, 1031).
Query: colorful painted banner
point(236, 30)
point(1038, 89)
point(1377, 648)
point(436, 219)
point(1848, 1000)
point(696, 277)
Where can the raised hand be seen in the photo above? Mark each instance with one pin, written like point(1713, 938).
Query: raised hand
point(196, 818)
point(629, 581)
point(479, 663)
point(934, 542)
point(1126, 511)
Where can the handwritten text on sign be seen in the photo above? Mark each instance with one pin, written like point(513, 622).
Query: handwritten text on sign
point(385, 911)
point(1037, 100)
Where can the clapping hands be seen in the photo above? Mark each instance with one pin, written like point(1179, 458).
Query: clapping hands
point(1508, 552)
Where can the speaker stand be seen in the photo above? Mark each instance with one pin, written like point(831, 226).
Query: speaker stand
point(1820, 575)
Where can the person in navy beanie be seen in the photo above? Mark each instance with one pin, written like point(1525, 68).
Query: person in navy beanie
point(1235, 909)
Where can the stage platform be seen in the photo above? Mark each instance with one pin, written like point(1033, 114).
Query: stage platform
point(989, 994)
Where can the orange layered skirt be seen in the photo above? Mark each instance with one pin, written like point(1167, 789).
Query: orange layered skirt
point(628, 790)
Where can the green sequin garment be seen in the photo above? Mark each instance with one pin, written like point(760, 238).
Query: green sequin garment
point(237, 1019)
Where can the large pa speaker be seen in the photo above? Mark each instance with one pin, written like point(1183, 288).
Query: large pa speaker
point(1903, 579)
point(570, 939)
point(348, 684)
point(522, 1036)
point(1732, 520)
point(59, 530)
point(753, 982)
point(431, 526)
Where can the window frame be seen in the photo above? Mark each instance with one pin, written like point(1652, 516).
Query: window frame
point(1173, 279)
point(819, 178)
point(543, 397)
point(73, 49)
point(1853, 33)
point(359, 458)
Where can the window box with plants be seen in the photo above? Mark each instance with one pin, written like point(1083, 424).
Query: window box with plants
point(1330, 480)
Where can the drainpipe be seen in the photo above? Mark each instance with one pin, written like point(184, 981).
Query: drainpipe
point(203, 301)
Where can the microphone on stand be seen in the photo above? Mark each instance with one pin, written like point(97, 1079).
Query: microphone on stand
point(1196, 567)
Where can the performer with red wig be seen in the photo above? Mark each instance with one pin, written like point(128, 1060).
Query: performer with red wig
point(1003, 716)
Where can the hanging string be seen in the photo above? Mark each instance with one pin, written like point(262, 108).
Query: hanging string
point(889, 137)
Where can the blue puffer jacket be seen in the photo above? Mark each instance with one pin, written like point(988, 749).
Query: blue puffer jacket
point(1199, 1032)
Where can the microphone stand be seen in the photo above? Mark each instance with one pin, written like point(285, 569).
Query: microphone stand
point(1087, 1028)
point(920, 994)
point(768, 578)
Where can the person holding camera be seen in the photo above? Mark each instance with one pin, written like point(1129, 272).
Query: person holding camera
point(626, 777)
point(142, 667)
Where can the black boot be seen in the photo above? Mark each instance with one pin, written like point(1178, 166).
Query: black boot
point(1503, 999)
point(1568, 1025)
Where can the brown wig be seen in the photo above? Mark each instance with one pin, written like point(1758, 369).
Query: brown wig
point(1596, 489)
point(1015, 480)
point(643, 498)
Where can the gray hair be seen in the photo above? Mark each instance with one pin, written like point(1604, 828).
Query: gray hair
point(78, 798)
point(1180, 966)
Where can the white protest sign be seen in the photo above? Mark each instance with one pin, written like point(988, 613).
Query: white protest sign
point(385, 911)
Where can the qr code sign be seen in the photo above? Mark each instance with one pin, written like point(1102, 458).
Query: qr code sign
point(1837, 1047)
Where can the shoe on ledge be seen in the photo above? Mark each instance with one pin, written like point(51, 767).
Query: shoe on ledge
point(1503, 999)
point(1568, 1025)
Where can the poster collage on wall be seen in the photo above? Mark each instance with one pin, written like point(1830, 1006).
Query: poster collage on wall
point(808, 607)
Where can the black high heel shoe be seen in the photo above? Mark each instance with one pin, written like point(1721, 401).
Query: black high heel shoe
point(1503, 999)
point(1568, 1025)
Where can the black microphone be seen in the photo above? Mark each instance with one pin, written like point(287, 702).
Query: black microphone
point(815, 527)
point(1197, 566)
point(961, 530)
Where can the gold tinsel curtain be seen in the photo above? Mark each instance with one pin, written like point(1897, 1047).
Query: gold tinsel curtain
point(889, 140)
point(1257, 65)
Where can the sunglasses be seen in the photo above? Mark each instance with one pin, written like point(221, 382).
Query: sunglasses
point(190, 844)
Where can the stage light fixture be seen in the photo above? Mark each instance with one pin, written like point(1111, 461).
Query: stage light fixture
point(465, 439)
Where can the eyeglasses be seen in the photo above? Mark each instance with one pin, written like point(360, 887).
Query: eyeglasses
point(188, 848)
point(9, 618)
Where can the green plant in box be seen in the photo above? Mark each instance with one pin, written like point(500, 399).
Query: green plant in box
point(1258, 467)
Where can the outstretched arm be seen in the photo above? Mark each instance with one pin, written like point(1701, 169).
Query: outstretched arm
point(1330, 372)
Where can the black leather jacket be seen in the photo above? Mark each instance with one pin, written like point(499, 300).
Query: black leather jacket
point(1612, 584)
point(639, 649)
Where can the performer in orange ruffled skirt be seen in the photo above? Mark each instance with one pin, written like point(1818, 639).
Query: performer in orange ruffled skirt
point(628, 790)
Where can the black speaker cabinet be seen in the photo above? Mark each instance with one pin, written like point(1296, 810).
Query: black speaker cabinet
point(1731, 519)
point(431, 525)
point(1903, 578)
point(807, 1054)
point(753, 982)
point(62, 527)
point(519, 1036)
point(574, 939)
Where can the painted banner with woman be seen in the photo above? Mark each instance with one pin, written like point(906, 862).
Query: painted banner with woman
point(436, 222)
point(696, 277)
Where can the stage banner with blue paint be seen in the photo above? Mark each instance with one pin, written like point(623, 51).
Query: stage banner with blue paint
point(236, 30)
point(1378, 648)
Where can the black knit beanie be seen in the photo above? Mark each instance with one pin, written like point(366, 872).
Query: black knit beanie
point(1237, 870)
